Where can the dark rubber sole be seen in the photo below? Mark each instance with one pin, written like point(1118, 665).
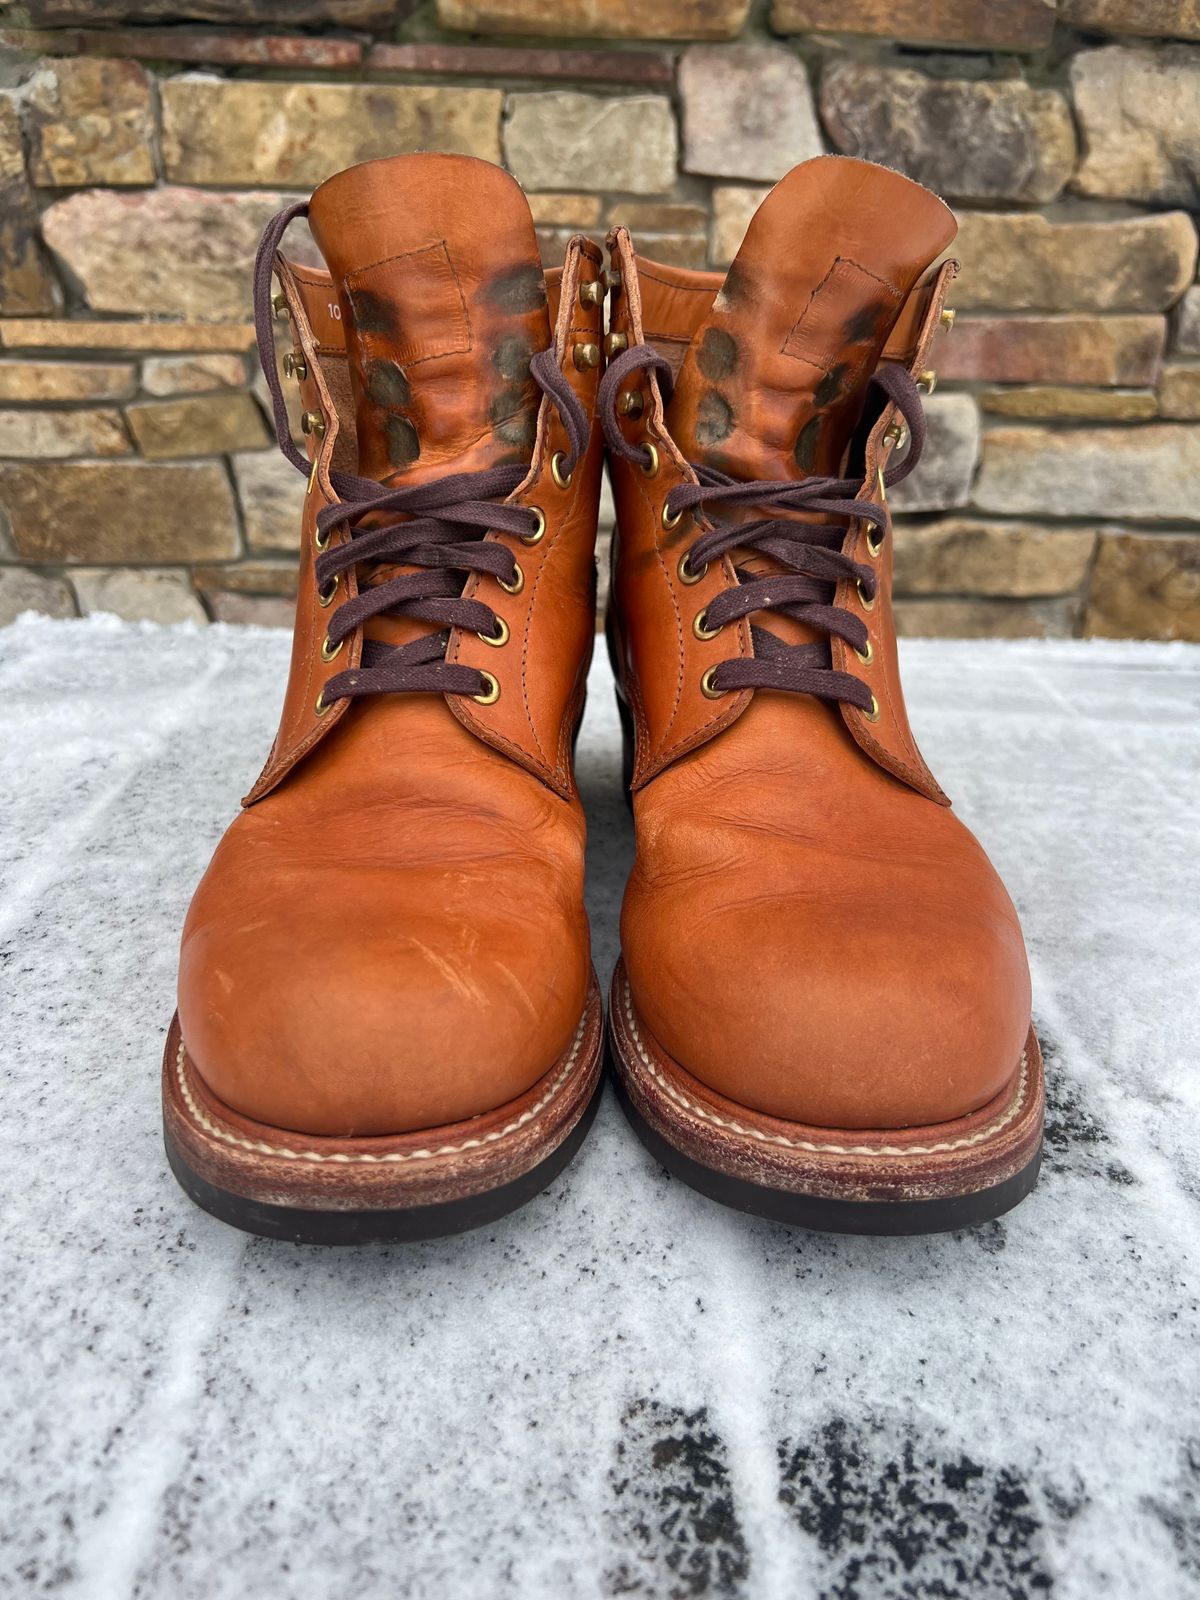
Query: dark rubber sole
point(884, 1217)
point(300, 1226)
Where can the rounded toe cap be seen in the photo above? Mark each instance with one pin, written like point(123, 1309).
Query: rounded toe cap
point(329, 1009)
point(904, 1003)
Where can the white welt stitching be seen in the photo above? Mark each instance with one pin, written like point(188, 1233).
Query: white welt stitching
point(978, 1137)
point(201, 1117)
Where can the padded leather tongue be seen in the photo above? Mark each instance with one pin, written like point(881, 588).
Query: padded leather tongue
point(443, 301)
point(773, 382)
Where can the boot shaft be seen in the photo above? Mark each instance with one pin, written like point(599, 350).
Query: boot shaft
point(770, 380)
point(413, 355)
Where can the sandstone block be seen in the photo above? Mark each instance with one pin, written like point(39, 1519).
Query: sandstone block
point(162, 252)
point(38, 434)
point(197, 425)
point(237, 131)
point(1012, 25)
point(1137, 114)
point(599, 19)
point(119, 511)
point(965, 139)
point(138, 594)
point(747, 111)
point(49, 381)
point(563, 140)
point(90, 120)
point(1145, 586)
point(943, 478)
point(1122, 350)
point(1021, 262)
point(26, 286)
point(23, 590)
point(1145, 474)
point(958, 556)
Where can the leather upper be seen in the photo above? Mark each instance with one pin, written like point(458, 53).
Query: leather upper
point(391, 935)
point(808, 928)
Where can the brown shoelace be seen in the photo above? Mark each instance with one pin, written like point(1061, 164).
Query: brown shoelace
point(810, 554)
point(441, 530)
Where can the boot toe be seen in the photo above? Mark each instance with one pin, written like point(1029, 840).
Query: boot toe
point(384, 1021)
point(895, 1002)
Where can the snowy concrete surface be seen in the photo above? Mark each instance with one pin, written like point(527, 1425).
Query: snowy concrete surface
point(623, 1389)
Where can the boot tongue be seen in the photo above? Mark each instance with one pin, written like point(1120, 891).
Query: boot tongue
point(443, 301)
point(773, 383)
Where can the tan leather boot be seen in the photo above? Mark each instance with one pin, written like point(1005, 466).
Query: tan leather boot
point(822, 1013)
point(388, 1021)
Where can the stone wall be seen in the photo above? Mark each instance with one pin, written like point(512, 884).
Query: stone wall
point(143, 143)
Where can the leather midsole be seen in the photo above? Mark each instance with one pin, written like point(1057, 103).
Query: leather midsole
point(913, 1163)
point(423, 1168)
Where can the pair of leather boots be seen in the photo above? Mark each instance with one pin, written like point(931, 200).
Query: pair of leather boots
point(389, 1025)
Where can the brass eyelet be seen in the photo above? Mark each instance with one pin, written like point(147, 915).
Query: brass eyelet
point(312, 422)
point(321, 705)
point(865, 657)
point(701, 629)
point(686, 574)
point(591, 293)
point(561, 478)
point(539, 527)
point(669, 521)
point(947, 318)
point(708, 688)
point(499, 637)
point(873, 714)
point(614, 343)
point(518, 582)
point(896, 434)
point(631, 404)
point(491, 694)
point(874, 545)
point(927, 380)
point(321, 540)
point(328, 651)
point(867, 601)
point(325, 596)
point(650, 468)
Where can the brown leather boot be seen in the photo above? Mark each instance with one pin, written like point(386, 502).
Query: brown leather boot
point(822, 1013)
point(388, 1021)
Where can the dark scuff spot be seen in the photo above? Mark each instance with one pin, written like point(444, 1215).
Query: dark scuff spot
point(714, 418)
point(805, 451)
point(520, 289)
point(909, 1517)
point(387, 385)
point(513, 419)
point(718, 354)
point(862, 324)
point(673, 1520)
point(736, 288)
point(512, 358)
point(831, 385)
point(403, 444)
point(373, 313)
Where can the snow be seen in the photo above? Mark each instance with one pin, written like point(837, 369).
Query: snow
point(622, 1389)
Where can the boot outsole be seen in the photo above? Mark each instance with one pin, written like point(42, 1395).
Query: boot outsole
point(426, 1185)
point(957, 1175)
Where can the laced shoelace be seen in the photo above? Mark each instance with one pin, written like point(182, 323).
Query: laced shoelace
point(810, 554)
point(441, 529)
